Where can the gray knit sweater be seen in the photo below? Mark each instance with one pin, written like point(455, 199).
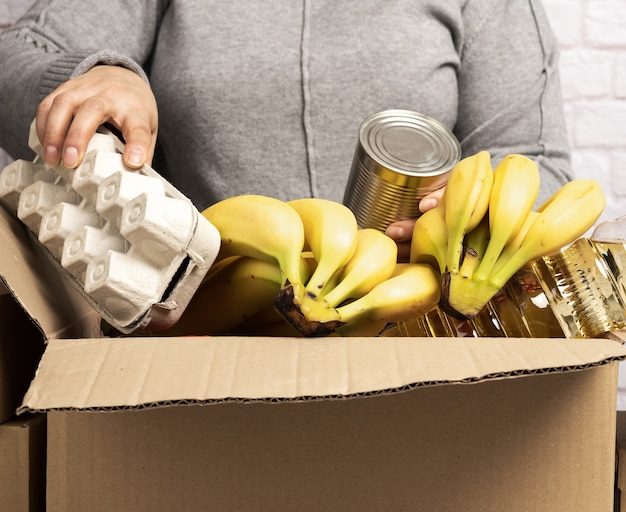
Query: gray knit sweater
point(266, 96)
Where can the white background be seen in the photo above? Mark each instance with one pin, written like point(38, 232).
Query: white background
point(592, 36)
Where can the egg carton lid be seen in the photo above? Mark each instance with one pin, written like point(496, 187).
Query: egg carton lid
point(135, 247)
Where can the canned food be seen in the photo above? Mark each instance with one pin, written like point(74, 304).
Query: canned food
point(400, 157)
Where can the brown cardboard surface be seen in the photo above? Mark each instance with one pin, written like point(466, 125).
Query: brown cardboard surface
point(129, 372)
point(310, 424)
point(22, 464)
point(21, 346)
point(540, 443)
point(48, 297)
point(620, 479)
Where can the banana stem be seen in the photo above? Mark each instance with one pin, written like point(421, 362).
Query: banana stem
point(463, 297)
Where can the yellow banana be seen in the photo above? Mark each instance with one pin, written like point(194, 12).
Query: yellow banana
point(330, 231)
point(566, 216)
point(466, 201)
point(465, 298)
point(234, 289)
point(514, 244)
point(563, 218)
point(430, 239)
point(475, 245)
point(412, 289)
point(260, 227)
point(514, 192)
point(373, 261)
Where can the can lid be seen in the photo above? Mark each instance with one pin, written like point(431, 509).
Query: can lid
point(406, 144)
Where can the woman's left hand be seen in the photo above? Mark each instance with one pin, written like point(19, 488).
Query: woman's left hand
point(402, 231)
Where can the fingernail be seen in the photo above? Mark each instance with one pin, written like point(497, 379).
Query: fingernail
point(51, 155)
point(135, 157)
point(394, 232)
point(428, 204)
point(70, 157)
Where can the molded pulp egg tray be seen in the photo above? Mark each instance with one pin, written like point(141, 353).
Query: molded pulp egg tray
point(136, 248)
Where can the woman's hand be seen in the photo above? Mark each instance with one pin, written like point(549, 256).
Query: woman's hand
point(402, 231)
point(68, 117)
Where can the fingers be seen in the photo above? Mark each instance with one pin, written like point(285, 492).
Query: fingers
point(402, 233)
point(401, 230)
point(90, 114)
point(68, 118)
point(52, 121)
point(140, 141)
point(432, 200)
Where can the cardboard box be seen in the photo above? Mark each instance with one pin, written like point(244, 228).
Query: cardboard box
point(285, 424)
point(49, 298)
point(36, 303)
point(260, 424)
point(620, 471)
point(23, 464)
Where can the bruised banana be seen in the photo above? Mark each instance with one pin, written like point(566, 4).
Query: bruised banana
point(372, 262)
point(269, 229)
point(563, 218)
point(466, 200)
point(412, 289)
point(235, 289)
point(266, 230)
point(330, 231)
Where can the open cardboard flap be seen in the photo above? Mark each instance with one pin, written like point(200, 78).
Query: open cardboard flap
point(47, 296)
point(119, 373)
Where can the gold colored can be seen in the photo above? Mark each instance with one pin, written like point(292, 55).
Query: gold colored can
point(401, 156)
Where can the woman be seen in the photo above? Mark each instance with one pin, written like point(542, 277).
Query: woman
point(266, 97)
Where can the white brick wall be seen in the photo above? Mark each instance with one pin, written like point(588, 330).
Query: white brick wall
point(592, 34)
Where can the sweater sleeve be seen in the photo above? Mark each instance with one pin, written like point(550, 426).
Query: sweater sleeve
point(509, 88)
point(57, 40)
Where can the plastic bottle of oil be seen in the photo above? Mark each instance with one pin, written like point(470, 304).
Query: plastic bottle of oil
point(531, 306)
point(521, 309)
point(434, 324)
point(582, 290)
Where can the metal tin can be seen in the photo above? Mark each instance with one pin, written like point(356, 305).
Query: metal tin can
point(401, 156)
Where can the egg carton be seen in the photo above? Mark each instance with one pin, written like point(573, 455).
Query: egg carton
point(135, 247)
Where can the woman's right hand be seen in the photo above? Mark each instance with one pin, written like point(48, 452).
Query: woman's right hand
point(68, 117)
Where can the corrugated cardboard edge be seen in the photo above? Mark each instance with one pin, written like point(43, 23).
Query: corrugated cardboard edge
point(126, 373)
point(47, 296)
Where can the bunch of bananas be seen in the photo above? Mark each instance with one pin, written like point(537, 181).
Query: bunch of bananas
point(485, 229)
point(303, 268)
